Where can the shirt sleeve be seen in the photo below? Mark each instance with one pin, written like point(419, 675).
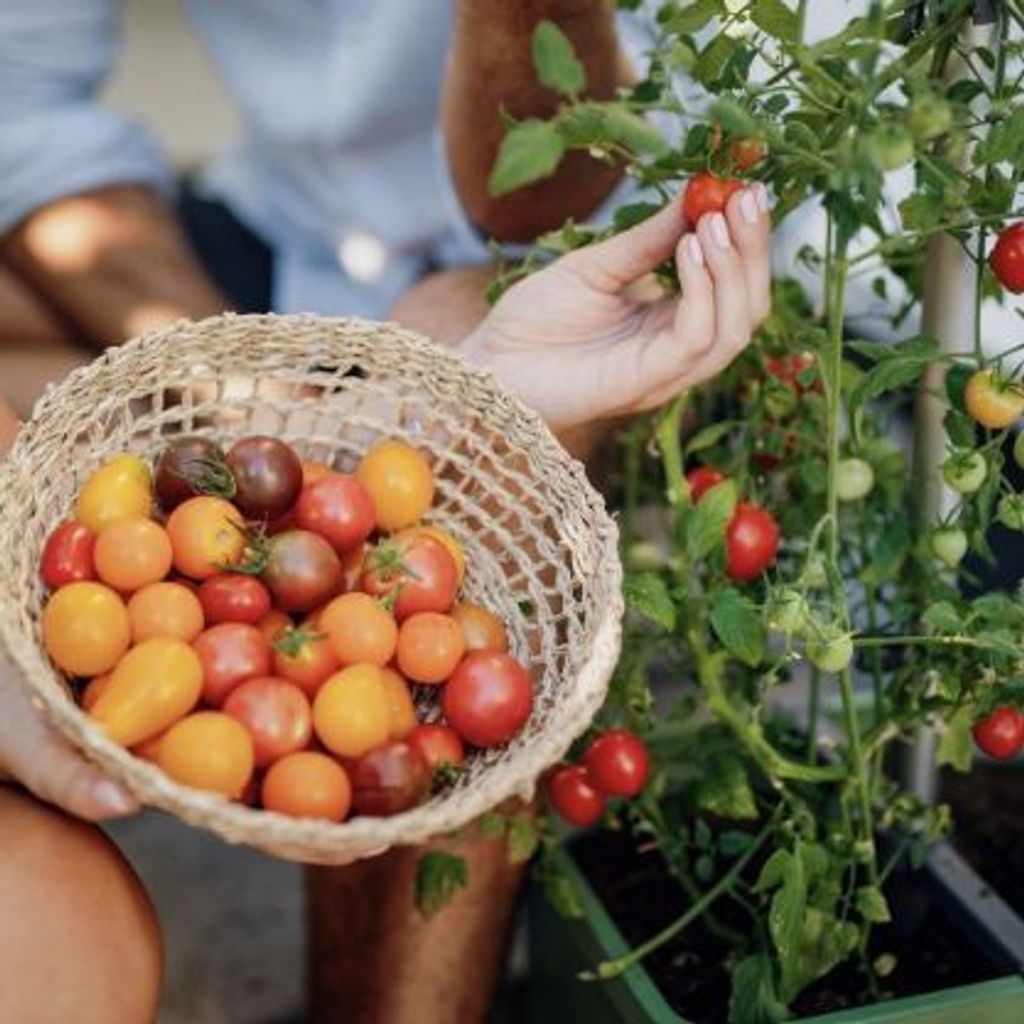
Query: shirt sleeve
point(55, 138)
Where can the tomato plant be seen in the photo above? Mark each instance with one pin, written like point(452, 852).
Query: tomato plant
point(707, 193)
point(617, 763)
point(1007, 258)
point(994, 401)
point(751, 542)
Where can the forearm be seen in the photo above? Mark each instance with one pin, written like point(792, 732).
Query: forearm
point(112, 263)
point(490, 70)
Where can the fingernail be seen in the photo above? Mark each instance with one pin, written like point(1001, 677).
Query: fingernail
point(762, 196)
point(719, 230)
point(694, 251)
point(112, 798)
point(748, 206)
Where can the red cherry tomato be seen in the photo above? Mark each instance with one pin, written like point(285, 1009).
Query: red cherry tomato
point(67, 555)
point(304, 657)
point(437, 745)
point(707, 193)
point(339, 508)
point(302, 570)
point(234, 597)
point(488, 698)
point(574, 797)
point(275, 712)
point(390, 779)
point(1007, 259)
point(230, 653)
point(1000, 734)
point(701, 480)
point(417, 571)
point(618, 763)
point(793, 369)
point(751, 542)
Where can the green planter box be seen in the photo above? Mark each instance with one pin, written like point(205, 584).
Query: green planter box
point(561, 948)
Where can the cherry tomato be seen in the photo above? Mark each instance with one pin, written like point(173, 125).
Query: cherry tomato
point(965, 471)
point(339, 508)
point(190, 466)
point(302, 570)
point(481, 629)
point(1007, 259)
point(751, 542)
point(403, 711)
point(308, 785)
point(399, 481)
point(430, 646)
point(352, 568)
point(442, 536)
point(360, 630)
point(416, 572)
point(574, 797)
point(744, 153)
point(390, 779)
point(707, 193)
point(438, 745)
point(794, 369)
point(207, 536)
point(120, 489)
point(67, 555)
point(617, 763)
point(351, 713)
point(831, 652)
point(312, 471)
point(276, 714)
point(305, 657)
point(992, 400)
point(149, 750)
point(154, 684)
point(94, 690)
point(234, 597)
point(132, 553)
point(1010, 511)
point(701, 480)
point(273, 624)
point(488, 698)
point(268, 476)
point(230, 653)
point(165, 609)
point(208, 750)
point(949, 545)
point(1000, 734)
point(85, 628)
point(854, 479)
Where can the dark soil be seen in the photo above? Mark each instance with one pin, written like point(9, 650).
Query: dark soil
point(931, 953)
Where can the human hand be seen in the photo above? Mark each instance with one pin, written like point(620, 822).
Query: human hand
point(574, 345)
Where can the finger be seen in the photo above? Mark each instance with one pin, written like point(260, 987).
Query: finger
point(610, 265)
point(749, 226)
point(732, 307)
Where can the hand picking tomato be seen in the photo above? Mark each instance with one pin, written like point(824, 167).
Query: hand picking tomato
point(751, 542)
point(351, 713)
point(390, 779)
point(230, 653)
point(165, 609)
point(308, 785)
point(994, 401)
point(234, 597)
point(360, 630)
point(208, 750)
point(438, 745)
point(481, 629)
point(574, 797)
point(191, 466)
point(430, 647)
point(417, 572)
point(707, 193)
point(276, 715)
point(403, 711)
point(305, 657)
point(339, 508)
point(399, 481)
point(132, 553)
point(120, 489)
point(488, 698)
point(207, 535)
point(701, 480)
point(1007, 259)
point(85, 628)
point(268, 476)
point(1000, 734)
point(302, 570)
point(67, 555)
point(617, 763)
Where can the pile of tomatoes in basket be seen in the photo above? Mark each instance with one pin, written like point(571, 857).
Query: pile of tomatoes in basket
point(256, 625)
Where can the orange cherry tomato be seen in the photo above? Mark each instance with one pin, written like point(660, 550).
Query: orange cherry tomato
point(400, 483)
point(305, 657)
point(481, 629)
point(207, 535)
point(308, 785)
point(403, 711)
point(430, 647)
point(208, 750)
point(360, 630)
point(149, 750)
point(85, 628)
point(122, 488)
point(154, 684)
point(442, 536)
point(165, 609)
point(351, 713)
point(132, 553)
point(93, 690)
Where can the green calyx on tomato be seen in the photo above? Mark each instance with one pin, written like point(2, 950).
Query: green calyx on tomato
point(949, 545)
point(854, 479)
point(965, 470)
point(788, 611)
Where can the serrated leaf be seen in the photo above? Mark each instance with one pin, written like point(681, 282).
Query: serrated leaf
point(439, 876)
point(531, 150)
point(685, 20)
point(725, 791)
point(706, 523)
point(647, 594)
point(1005, 141)
point(738, 625)
point(872, 905)
point(753, 998)
point(775, 18)
point(734, 119)
point(556, 62)
point(786, 919)
point(521, 839)
point(710, 65)
point(956, 744)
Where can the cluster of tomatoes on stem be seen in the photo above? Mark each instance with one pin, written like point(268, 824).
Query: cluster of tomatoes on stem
point(256, 625)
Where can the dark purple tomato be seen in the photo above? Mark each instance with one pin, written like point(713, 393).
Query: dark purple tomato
point(302, 570)
point(268, 476)
point(190, 466)
point(390, 779)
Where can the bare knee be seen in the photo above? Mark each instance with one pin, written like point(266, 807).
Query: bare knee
point(79, 939)
point(447, 305)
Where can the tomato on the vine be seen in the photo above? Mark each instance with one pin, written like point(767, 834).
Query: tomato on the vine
point(797, 370)
point(1010, 511)
point(488, 698)
point(574, 797)
point(992, 400)
point(234, 597)
point(965, 471)
point(617, 763)
point(1000, 734)
point(701, 480)
point(707, 193)
point(854, 479)
point(830, 651)
point(751, 542)
point(415, 572)
point(339, 508)
point(949, 545)
point(1007, 259)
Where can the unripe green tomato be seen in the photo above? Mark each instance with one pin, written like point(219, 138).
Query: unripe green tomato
point(787, 611)
point(854, 479)
point(965, 471)
point(814, 574)
point(949, 545)
point(930, 116)
point(643, 554)
point(1018, 449)
point(1010, 511)
point(831, 652)
point(890, 146)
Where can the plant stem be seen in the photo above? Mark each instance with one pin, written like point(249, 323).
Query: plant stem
point(813, 708)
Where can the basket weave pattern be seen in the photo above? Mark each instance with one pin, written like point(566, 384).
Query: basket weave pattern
point(542, 549)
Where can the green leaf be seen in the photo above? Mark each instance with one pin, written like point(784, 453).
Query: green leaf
point(738, 624)
point(956, 745)
point(753, 998)
point(774, 871)
point(685, 19)
point(492, 826)
point(522, 839)
point(900, 368)
point(731, 843)
point(556, 62)
point(706, 523)
point(530, 151)
point(775, 18)
point(872, 905)
point(1005, 141)
point(786, 919)
point(725, 791)
point(709, 436)
point(713, 58)
point(561, 891)
point(439, 876)
point(942, 617)
point(733, 118)
point(647, 594)
point(633, 131)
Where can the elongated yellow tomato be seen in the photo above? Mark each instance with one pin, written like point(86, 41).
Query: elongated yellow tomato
point(208, 750)
point(122, 488)
point(154, 684)
point(85, 628)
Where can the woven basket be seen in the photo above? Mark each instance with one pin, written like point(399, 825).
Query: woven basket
point(541, 547)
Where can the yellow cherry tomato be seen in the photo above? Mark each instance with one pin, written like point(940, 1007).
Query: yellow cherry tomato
point(207, 534)
point(443, 537)
point(95, 687)
point(85, 628)
point(165, 609)
point(403, 711)
point(400, 483)
point(122, 488)
point(994, 401)
point(132, 553)
point(154, 684)
point(351, 712)
point(208, 750)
